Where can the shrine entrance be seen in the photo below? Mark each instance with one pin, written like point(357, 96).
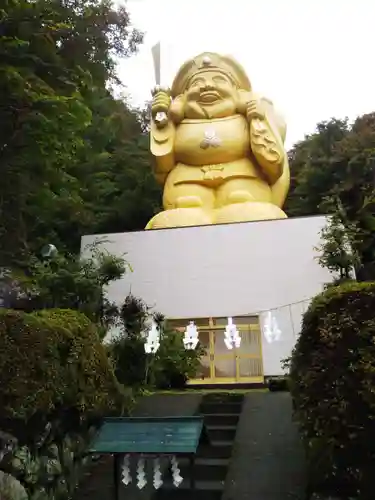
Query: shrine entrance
point(220, 365)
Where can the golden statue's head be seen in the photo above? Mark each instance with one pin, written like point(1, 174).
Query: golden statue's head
point(209, 86)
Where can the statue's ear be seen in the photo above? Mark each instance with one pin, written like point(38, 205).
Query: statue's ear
point(243, 97)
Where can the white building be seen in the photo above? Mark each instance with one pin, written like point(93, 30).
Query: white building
point(263, 274)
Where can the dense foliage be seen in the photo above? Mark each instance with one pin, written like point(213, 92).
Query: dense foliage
point(57, 384)
point(332, 384)
point(69, 282)
point(333, 171)
point(74, 159)
point(170, 367)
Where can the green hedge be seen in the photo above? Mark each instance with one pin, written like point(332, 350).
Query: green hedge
point(56, 384)
point(332, 379)
point(50, 362)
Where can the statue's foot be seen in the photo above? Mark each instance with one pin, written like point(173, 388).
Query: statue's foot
point(248, 211)
point(180, 217)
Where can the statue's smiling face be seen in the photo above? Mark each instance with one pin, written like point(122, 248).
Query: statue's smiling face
point(210, 94)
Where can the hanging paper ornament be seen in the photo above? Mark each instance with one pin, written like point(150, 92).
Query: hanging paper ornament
point(191, 338)
point(158, 481)
point(126, 476)
point(271, 330)
point(231, 335)
point(177, 478)
point(152, 343)
point(141, 474)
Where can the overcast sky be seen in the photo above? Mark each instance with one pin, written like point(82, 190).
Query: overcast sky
point(314, 58)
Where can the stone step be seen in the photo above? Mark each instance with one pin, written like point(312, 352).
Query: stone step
point(215, 407)
point(209, 461)
point(215, 450)
point(221, 418)
point(199, 485)
point(226, 398)
point(202, 471)
point(203, 490)
point(187, 494)
point(222, 432)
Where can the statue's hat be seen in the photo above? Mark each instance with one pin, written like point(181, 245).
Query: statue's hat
point(210, 61)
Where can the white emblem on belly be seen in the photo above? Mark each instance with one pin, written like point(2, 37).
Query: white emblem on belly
point(210, 139)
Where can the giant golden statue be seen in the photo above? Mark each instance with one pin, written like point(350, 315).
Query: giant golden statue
point(218, 147)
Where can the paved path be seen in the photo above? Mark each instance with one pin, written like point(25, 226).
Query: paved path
point(268, 459)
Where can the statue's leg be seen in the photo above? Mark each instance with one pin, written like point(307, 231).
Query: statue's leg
point(241, 200)
point(186, 204)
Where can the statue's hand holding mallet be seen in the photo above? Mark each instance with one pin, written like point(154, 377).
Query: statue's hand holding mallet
point(161, 102)
point(255, 109)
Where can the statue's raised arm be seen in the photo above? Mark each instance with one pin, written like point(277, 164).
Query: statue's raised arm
point(218, 147)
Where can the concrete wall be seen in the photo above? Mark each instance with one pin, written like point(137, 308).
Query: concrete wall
point(226, 270)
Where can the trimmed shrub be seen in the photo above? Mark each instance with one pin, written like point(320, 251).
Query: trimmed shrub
point(56, 385)
point(52, 362)
point(332, 375)
point(93, 387)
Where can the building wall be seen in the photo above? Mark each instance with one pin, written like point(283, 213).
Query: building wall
point(226, 270)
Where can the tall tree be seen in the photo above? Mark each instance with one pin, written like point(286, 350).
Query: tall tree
point(41, 116)
point(73, 158)
point(338, 162)
point(313, 165)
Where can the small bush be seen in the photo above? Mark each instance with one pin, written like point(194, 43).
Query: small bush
point(170, 367)
point(278, 384)
point(130, 360)
point(332, 374)
point(174, 365)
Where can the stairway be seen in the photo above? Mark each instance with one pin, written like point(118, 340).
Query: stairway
point(221, 413)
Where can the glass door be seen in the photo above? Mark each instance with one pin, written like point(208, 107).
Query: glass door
point(219, 365)
point(224, 360)
point(204, 374)
point(249, 356)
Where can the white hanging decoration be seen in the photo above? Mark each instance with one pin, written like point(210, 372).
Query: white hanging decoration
point(231, 335)
point(126, 476)
point(141, 474)
point(152, 343)
point(271, 330)
point(191, 338)
point(177, 478)
point(158, 481)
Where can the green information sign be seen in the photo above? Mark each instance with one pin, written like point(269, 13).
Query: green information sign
point(161, 436)
point(149, 437)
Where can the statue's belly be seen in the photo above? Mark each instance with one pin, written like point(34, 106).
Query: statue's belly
point(214, 175)
point(200, 143)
